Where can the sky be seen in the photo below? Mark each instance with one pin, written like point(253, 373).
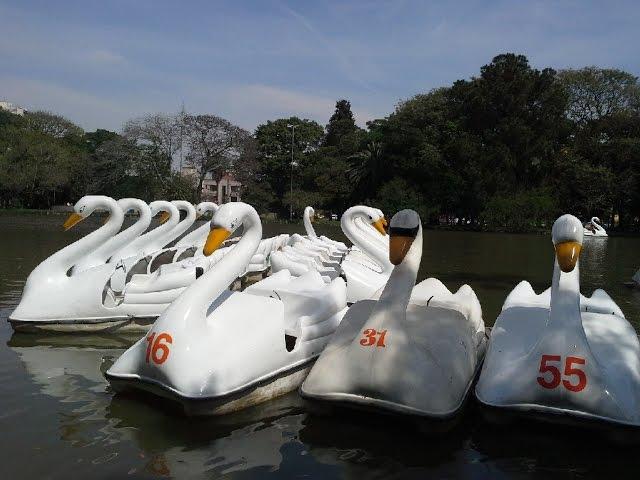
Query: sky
point(101, 63)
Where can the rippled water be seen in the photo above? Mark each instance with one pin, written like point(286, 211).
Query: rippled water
point(59, 419)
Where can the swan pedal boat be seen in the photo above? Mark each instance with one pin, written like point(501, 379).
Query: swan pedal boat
point(559, 361)
point(414, 352)
point(368, 268)
point(101, 296)
point(335, 247)
point(593, 228)
point(214, 351)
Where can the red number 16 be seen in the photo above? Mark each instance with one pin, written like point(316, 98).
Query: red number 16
point(157, 350)
point(569, 371)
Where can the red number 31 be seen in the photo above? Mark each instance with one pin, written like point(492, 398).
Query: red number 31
point(369, 338)
point(158, 350)
point(569, 371)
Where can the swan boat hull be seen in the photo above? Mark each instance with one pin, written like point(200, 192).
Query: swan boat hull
point(258, 392)
point(382, 379)
point(349, 401)
point(516, 381)
point(85, 325)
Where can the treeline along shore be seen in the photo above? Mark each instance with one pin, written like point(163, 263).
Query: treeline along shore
point(509, 149)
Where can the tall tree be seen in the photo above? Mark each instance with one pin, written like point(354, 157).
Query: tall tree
point(595, 93)
point(51, 124)
point(515, 116)
point(275, 144)
point(158, 130)
point(214, 144)
point(341, 124)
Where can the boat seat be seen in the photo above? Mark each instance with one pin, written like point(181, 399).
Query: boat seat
point(162, 259)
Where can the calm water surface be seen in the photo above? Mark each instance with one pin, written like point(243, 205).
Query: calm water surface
point(59, 419)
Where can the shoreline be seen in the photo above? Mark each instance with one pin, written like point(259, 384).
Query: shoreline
point(63, 211)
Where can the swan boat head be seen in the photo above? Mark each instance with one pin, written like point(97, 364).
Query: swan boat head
point(396, 356)
point(205, 207)
point(559, 360)
point(52, 280)
point(367, 267)
point(197, 237)
point(101, 255)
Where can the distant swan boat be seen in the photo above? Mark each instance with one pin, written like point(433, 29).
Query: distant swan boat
point(594, 229)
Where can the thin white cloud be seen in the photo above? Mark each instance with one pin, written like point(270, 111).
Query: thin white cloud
point(89, 110)
point(346, 63)
point(105, 57)
point(265, 102)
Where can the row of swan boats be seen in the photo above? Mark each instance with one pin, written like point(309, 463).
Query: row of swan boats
point(346, 326)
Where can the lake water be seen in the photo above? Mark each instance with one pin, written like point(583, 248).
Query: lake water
point(59, 419)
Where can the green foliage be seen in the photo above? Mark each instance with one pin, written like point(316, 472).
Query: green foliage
point(274, 156)
point(520, 212)
point(37, 169)
point(398, 194)
point(510, 149)
point(595, 93)
point(341, 125)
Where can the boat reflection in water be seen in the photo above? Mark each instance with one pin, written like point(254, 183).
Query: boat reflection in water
point(70, 369)
point(103, 434)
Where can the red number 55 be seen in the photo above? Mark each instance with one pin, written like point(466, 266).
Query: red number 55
point(569, 371)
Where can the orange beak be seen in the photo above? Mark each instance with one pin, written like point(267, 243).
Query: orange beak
point(164, 216)
point(73, 219)
point(215, 238)
point(567, 254)
point(399, 245)
point(379, 226)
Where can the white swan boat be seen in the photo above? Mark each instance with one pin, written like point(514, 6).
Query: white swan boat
point(593, 228)
point(106, 297)
point(102, 254)
point(415, 351)
point(199, 235)
point(369, 269)
point(310, 253)
point(153, 259)
point(216, 351)
point(558, 362)
point(335, 246)
point(154, 239)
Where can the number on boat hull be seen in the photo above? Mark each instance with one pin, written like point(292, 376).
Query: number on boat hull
point(570, 370)
point(158, 347)
point(373, 337)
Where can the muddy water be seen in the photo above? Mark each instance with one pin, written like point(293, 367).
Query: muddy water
point(59, 419)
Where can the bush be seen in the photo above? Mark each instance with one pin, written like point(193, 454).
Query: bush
point(520, 212)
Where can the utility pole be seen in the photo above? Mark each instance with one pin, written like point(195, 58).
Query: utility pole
point(293, 164)
point(181, 116)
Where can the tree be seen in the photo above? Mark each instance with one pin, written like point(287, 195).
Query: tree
point(111, 164)
point(51, 124)
point(340, 124)
point(274, 144)
point(158, 130)
point(40, 170)
point(93, 140)
point(595, 93)
point(214, 145)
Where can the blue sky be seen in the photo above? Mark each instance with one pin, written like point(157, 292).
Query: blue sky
point(100, 63)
